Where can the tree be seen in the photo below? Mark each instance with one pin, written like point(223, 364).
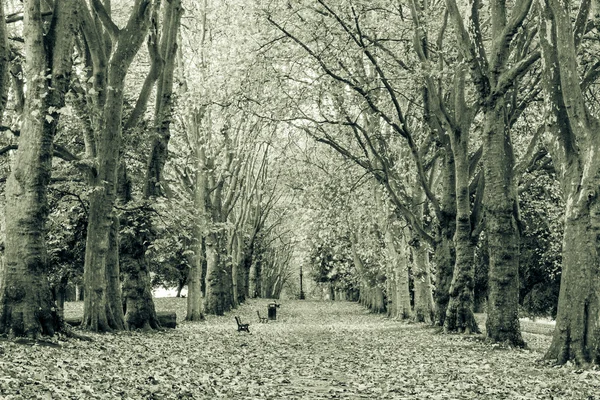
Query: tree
point(494, 78)
point(26, 304)
point(451, 117)
point(140, 312)
point(111, 52)
point(575, 130)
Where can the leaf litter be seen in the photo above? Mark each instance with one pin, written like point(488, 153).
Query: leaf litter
point(314, 350)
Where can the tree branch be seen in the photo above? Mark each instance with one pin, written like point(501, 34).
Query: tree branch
point(8, 148)
point(508, 78)
point(107, 22)
point(471, 55)
point(502, 43)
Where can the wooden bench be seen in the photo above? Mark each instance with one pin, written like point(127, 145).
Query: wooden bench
point(242, 327)
point(263, 320)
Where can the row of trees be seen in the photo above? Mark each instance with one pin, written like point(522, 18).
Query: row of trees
point(101, 192)
point(455, 134)
point(450, 109)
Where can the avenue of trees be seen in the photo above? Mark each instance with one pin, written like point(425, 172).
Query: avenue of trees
point(431, 159)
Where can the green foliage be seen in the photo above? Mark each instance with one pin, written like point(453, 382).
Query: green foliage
point(333, 264)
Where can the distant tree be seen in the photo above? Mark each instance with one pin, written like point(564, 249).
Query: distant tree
point(541, 242)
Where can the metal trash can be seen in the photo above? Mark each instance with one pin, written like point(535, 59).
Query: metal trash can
point(272, 311)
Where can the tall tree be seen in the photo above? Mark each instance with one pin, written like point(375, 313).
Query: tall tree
point(494, 73)
point(140, 312)
point(449, 115)
point(4, 62)
point(26, 305)
point(111, 49)
point(577, 152)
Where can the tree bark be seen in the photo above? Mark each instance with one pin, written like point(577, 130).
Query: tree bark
point(445, 255)
point(195, 307)
point(236, 269)
point(577, 333)
point(5, 65)
point(217, 277)
point(195, 304)
point(113, 278)
point(141, 313)
point(399, 291)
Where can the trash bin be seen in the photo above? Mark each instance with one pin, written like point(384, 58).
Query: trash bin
point(273, 311)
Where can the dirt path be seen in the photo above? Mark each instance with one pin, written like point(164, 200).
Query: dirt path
point(315, 350)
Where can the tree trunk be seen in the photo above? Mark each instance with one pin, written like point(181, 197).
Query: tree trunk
point(577, 333)
point(377, 302)
point(252, 280)
point(141, 313)
point(390, 290)
point(247, 262)
point(113, 278)
point(424, 306)
point(459, 315)
point(399, 292)
point(404, 309)
point(5, 64)
point(501, 226)
point(444, 249)
point(235, 255)
point(195, 305)
point(256, 278)
point(97, 312)
point(59, 293)
point(180, 286)
point(219, 283)
point(216, 278)
point(194, 297)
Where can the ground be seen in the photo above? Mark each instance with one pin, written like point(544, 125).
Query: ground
point(315, 350)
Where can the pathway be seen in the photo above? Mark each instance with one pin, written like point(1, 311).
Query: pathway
point(315, 350)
